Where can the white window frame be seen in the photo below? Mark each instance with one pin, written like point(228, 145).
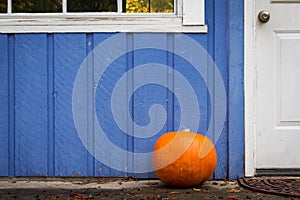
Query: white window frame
point(188, 17)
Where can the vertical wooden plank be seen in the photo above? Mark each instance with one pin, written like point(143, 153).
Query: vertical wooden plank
point(170, 82)
point(216, 16)
point(90, 106)
point(196, 81)
point(220, 58)
point(210, 20)
point(103, 101)
point(149, 93)
point(31, 104)
point(70, 154)
point(4, 125)
point(11, 105)
point(50, 104)
point(235, 25)
point(100, 168)
point(129, 89)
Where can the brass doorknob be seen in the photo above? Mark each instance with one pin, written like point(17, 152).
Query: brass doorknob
point(264, 16)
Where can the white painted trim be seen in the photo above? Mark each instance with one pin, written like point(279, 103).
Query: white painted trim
point(193, 12)
point(9, 7)
point(284, 1)
point(249, 80)
point(87, 15)
point(94, 24)
point(178, 8)
point(64, 6)
point(120, 6)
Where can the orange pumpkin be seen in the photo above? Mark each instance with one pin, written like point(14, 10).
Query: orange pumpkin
point(184, 159)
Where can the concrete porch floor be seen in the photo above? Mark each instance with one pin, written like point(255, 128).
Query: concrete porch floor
point(121, 188)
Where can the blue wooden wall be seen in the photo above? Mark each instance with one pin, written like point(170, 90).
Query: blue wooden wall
point(37, 73)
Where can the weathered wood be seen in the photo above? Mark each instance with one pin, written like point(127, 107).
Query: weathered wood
point(30, 105)
point(235, 70)
point(219, 35)
point(4, 105)
point(70, 154)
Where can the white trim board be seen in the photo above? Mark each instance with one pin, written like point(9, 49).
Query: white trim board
point(249, 80)
point(94, 24)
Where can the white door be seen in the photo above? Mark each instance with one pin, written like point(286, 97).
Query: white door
point(277, 93)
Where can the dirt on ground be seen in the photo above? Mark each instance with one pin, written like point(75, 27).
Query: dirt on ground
point(153, 192)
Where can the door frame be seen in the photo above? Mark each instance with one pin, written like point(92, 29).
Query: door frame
point(249, 87)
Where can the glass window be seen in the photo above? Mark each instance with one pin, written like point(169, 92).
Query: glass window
point(36, 6)
point(3, 6)
point(162, 6)
point(92, 6)
point(186, 16)
point(149, 6)
point(129, 6)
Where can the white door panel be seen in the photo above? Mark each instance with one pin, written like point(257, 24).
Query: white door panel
point(287, 63)
point(278, 86)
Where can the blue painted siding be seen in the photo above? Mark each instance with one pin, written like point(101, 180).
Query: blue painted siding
point(70, 154)
point(11, 105)
point(103, 105)
point(50, 106)
point(236, 88)
point(37, 73)
point(99, 168)
point(30, 104)
point(4, 105)
point(217, 48)
point(148, 95)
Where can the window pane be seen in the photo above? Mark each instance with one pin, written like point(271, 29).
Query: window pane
point(3, 6)
point(162, 6)
point(36, 6)
point(92, 5)
point(149, 6)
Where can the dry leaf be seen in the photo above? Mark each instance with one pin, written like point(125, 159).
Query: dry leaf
point(233, 197)
point(233, 190)
point(175, 192)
